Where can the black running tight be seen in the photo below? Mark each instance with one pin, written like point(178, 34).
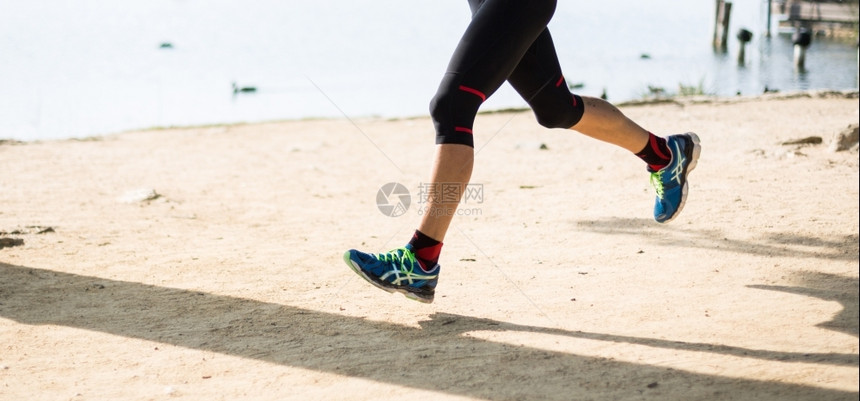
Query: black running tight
point(506, 40)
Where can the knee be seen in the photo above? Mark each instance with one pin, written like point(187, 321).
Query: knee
point(453, 110)
point(438, 107)
point(454, 106)
point(561, 114)
point(555, 120)
point(563, 120)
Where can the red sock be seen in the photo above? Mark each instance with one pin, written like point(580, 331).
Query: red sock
point(426, 250)
point(656, 153)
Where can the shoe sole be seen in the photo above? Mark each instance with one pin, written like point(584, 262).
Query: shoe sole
point(694, 160)
point(411, 295)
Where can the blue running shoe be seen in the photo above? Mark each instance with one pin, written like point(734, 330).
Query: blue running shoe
point(670, 182)
point(395, 271)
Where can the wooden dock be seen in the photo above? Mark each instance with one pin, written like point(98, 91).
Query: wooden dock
point(824, 18)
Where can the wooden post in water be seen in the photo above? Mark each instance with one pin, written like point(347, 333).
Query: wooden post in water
point(717, 21)
point(802, 38)
point(769, 12)
point(721, 24)
point(727, 13)
point(744, 37)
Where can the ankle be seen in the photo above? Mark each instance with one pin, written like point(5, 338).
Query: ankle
point(426, 250)
point(656, 153)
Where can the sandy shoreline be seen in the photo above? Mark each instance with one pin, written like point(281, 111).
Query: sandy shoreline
point(229, 284)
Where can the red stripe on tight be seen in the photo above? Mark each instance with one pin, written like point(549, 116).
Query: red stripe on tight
point(463, 129)
point(560, 80)
point(474, 92)
point(656, 148)
point(574, 100)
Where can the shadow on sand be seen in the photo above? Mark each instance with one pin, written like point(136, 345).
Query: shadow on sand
point(423, 358)
point(775, 244)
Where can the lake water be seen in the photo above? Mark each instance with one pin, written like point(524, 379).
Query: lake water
point(90, 67)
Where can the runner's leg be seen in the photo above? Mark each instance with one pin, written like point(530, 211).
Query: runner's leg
point(500, 33)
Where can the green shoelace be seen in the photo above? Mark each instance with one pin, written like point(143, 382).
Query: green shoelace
point(657, 182)
point(403, 258)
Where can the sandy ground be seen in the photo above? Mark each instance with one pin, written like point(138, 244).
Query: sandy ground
point(556, 283)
